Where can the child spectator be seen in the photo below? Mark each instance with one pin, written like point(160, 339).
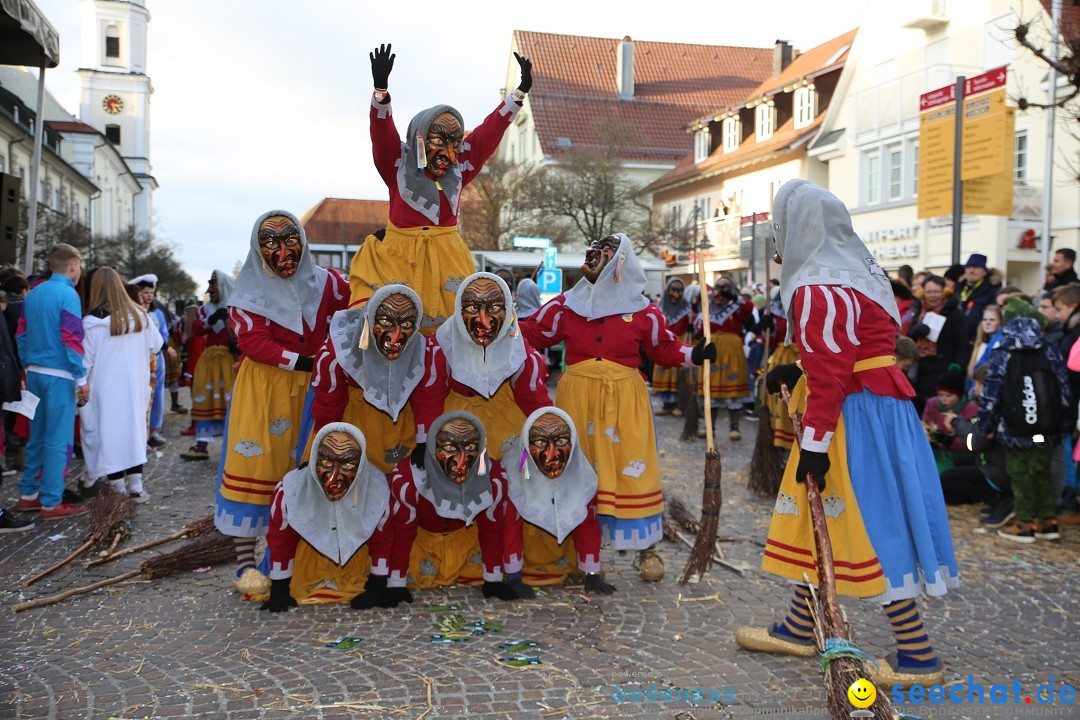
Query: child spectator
point(1024, 402)
point(951, 400)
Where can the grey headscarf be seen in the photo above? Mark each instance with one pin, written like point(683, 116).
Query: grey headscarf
point(418, 190)
point(528, 298)
point(336, 529)
point(618, 289)
point(483, 369)
point(677, 311)
point(823, 249)
point(453, 501)
point(225, 289)
point(387, 385)
point(557, 505)
point(291, 302)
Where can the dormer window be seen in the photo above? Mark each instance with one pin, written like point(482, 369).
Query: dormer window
point(765, 120)
point(805, 106)
point(701, 144)
point(732, 134)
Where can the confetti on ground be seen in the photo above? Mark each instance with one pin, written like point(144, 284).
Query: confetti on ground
point(518, 646)
point(518, 661)
point(345, 642)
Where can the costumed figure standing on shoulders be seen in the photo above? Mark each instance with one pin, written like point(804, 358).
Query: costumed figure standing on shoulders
point(553, 488)
point(329, 525)
point(215, 370)
point(730, 378)
point(862, 442)
point(366, 372)
point(447, 508)
point(426, 175)
point(605, 321)
point(676, 309)
point(279, 313)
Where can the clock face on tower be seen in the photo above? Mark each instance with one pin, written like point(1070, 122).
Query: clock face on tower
point(112, 104)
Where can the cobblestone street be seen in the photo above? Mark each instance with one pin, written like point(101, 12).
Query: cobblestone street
point(186, 646)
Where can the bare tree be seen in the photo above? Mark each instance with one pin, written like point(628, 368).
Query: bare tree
point(495, 207)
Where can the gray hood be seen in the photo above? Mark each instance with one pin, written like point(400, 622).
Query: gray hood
point(618, 289)
point(418, 190)
point(453, 501)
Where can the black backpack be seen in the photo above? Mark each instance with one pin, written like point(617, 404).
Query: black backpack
point(1030, 397)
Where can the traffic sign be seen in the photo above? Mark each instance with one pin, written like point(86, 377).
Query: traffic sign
point(531, 242)
point(989, 80)
point(551, 257)
point(550, 281)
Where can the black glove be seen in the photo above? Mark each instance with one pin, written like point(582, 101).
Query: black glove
point(815, 463)
point(374, 589)
point(500, 590)
point(219, 315)
point(233, 347)
point(380, 234)
point(418, 454)
point(526, 73)
point(787, 374)
point(766, 322)
point(395, 596)
point(382, 62)
point(304, 363)
point(703, 352)
point(594, 585)
point(919, 331)
point(523, 591)
point(280, 599)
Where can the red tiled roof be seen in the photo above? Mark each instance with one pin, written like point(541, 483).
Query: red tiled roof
point(344, 221)
point(574, 89)
point(814, 60)
point(76, 127)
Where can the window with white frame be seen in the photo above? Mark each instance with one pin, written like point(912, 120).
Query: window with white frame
point(765, 119)
point(895, 158)
point(732, 134)
point(872, 186)
point(701, 144)
point(805, 106)
point(1020, 156)
point(914, 150)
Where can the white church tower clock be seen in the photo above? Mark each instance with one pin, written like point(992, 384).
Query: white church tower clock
point(115, 89)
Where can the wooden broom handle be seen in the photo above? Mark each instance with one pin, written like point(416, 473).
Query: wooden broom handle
point(705, 369)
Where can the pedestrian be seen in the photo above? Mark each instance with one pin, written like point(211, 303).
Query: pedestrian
point(604, 322)
point(949, 448)
point(861, 442)
point(938, 329)
point(279, 313)
point(50, 341)
point(728, 310)
point(215, 370)
point(1025, 401)
point(1062, 269)
point(676, 309)
point(146, 285)
point(528, 298)
point(426, 175)
point(987, 337)
point(119, 336)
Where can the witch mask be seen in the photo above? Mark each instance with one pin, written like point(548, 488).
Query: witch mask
point(483, 308)
point(395, 322)
point(280, 245)
point(457, 446)
point(598, 255)
point(442, 145)
point(550, 444)
point(337, 463)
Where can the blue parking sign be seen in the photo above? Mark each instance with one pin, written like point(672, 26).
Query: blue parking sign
point(550, 281)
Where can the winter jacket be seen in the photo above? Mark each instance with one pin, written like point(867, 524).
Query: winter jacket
point(1020, 333)
point(974, 299)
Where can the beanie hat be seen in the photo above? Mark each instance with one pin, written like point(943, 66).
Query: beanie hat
point(952, 380)
point(1016, 307)
point(759, 301)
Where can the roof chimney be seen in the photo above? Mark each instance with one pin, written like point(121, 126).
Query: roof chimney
point(624, 68)
point(781, 56)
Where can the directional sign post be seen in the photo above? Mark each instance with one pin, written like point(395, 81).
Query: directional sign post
point(551, 258)
point(550, 281)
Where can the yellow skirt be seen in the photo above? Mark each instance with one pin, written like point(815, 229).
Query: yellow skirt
point(500, 414)
point(441, 559)
point(789, 549)
point(387, 441)
point(172, 367)
point(212, 385)
point(610, 407)
point(431, 260)
point(782, 431)
point(546, 561)
point(318, 579)
point(264, 423)
point(665, 379)
point(728, 376)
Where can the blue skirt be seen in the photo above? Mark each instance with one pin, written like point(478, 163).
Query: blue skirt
point(898, 490)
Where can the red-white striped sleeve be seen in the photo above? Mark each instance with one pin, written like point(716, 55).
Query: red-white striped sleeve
point(253, 337)
point(429, 397)
point(404, 520)
point(281, 539)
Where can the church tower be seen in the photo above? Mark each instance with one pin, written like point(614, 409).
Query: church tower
point(115, 89)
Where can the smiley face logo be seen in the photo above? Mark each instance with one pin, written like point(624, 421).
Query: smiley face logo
point(862, 693)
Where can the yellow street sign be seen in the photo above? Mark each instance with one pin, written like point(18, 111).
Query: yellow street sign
point(987, 136)
point(937, 146)
point(993, 194)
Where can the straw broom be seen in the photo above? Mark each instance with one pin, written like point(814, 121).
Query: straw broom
point(212, 548)
point(107, 519)
point(841, 662)
point(701, 557)
point(193, 529)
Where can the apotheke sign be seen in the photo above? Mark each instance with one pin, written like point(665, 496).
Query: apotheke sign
point(889, 243)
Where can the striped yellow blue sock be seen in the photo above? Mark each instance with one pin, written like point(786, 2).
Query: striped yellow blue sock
point(245, 554)
point(797, 625)
point(913, 648)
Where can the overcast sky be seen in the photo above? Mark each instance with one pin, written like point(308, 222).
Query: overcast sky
point(258, 105)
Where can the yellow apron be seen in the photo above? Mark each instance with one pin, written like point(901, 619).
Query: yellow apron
point(212, 384)
point(610, 407)
point(789, 549)
point(728, 376)
point(500, 415)
point(441, 559)
point(264, 423)
point(546, 562)
point(431, 260)
point(382, 433)
point(782, 431)
point(172, 367)
point(318, 579)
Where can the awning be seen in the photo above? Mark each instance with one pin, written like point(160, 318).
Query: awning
point(26, 37)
